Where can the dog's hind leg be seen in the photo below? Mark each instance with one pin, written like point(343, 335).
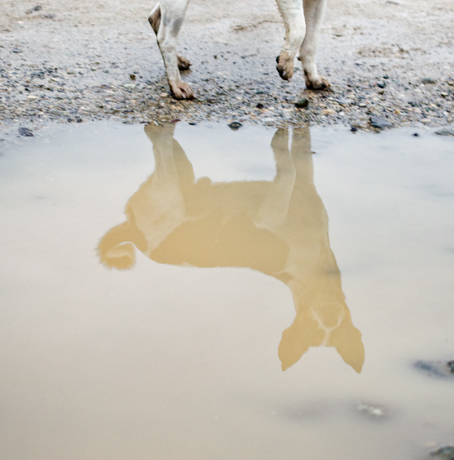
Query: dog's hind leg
point(166, 20)
point(313, 11)
point(293, 16)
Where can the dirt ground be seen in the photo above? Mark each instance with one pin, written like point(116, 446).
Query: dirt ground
point(98, 59)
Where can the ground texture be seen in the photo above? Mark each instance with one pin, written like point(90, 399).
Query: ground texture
point(98, 59)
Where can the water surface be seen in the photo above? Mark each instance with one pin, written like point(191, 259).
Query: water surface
point(196, 292)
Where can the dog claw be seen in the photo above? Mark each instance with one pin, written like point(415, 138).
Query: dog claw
point(183, 63)
point(285, 66)
point(181, 90)
point(318, 83)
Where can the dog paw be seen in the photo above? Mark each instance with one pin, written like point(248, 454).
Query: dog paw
point(183, 63)
point(181, 90)
point(317, 83)
point(284, 66)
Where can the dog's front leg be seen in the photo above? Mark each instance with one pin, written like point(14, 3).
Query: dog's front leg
point(313, 12)
point(293, 16)
point(166, 20)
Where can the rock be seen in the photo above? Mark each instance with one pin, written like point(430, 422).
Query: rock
point(374, 412)
point(27, 132)
point(380, 123)
point(436, 368)
point(445, 453)
point(445, 132)
point(235, 125)
point(260, 105)
point(415, 134)
point(353, 129)
point(428, 81)
point(381, 85)
point(343, 101)
point(302, 103)
point(132, 76)
point(35, 8)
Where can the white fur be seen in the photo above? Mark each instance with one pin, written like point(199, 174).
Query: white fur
point(302, 28)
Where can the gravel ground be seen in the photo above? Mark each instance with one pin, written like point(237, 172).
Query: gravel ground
point(98, 59)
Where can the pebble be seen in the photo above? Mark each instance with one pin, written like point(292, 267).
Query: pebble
point(27, 132)
point(380, 123)
point(444, 453)
point(436, 368)
point(374, 412)
point(428, 81)
point(302, 103)
point(445, 132)
point(235, 125)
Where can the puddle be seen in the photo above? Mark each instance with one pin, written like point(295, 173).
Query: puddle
point(180, 293)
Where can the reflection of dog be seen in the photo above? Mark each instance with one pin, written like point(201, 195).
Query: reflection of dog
point(302, 27)
point(279, 228)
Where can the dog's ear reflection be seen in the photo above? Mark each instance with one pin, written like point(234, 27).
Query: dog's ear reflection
point(279, 228)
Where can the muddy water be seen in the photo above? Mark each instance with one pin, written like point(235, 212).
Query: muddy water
point(192, 292)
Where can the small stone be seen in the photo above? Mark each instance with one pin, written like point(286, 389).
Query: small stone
point(353, 129)
point(415, 134)
point(192, 123)
point(35, 8)
point(445, 132)
point(27, 132)
point(132, 76)
point(375, 412)
point(260, 105)
point(381, 85)
point(445, 453)
point(302, 103)
point(380, 123)
point(175, 120)
point(437, 368)
point(428, 81)
point(235, 125)
point(79, 120)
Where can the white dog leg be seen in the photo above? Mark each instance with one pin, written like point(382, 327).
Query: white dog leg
point(313, 11)
point(293, 16)
point(155, 20)
point(166, 20)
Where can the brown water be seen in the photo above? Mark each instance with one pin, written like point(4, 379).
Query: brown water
point(234, 321)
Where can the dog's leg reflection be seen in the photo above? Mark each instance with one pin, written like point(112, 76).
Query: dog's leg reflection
point(322, 316)
point(156, 209)
point(274, 208)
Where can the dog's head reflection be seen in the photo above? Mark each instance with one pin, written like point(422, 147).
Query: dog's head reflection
point(279, 228)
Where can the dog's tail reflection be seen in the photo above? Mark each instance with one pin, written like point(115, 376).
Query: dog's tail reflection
point(279, 228)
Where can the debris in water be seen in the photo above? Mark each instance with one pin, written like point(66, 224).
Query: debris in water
point(437, 368)
point(27, 132)
point(374, 412)
point(445, 132)
point(444, 453)
point(235, 125)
